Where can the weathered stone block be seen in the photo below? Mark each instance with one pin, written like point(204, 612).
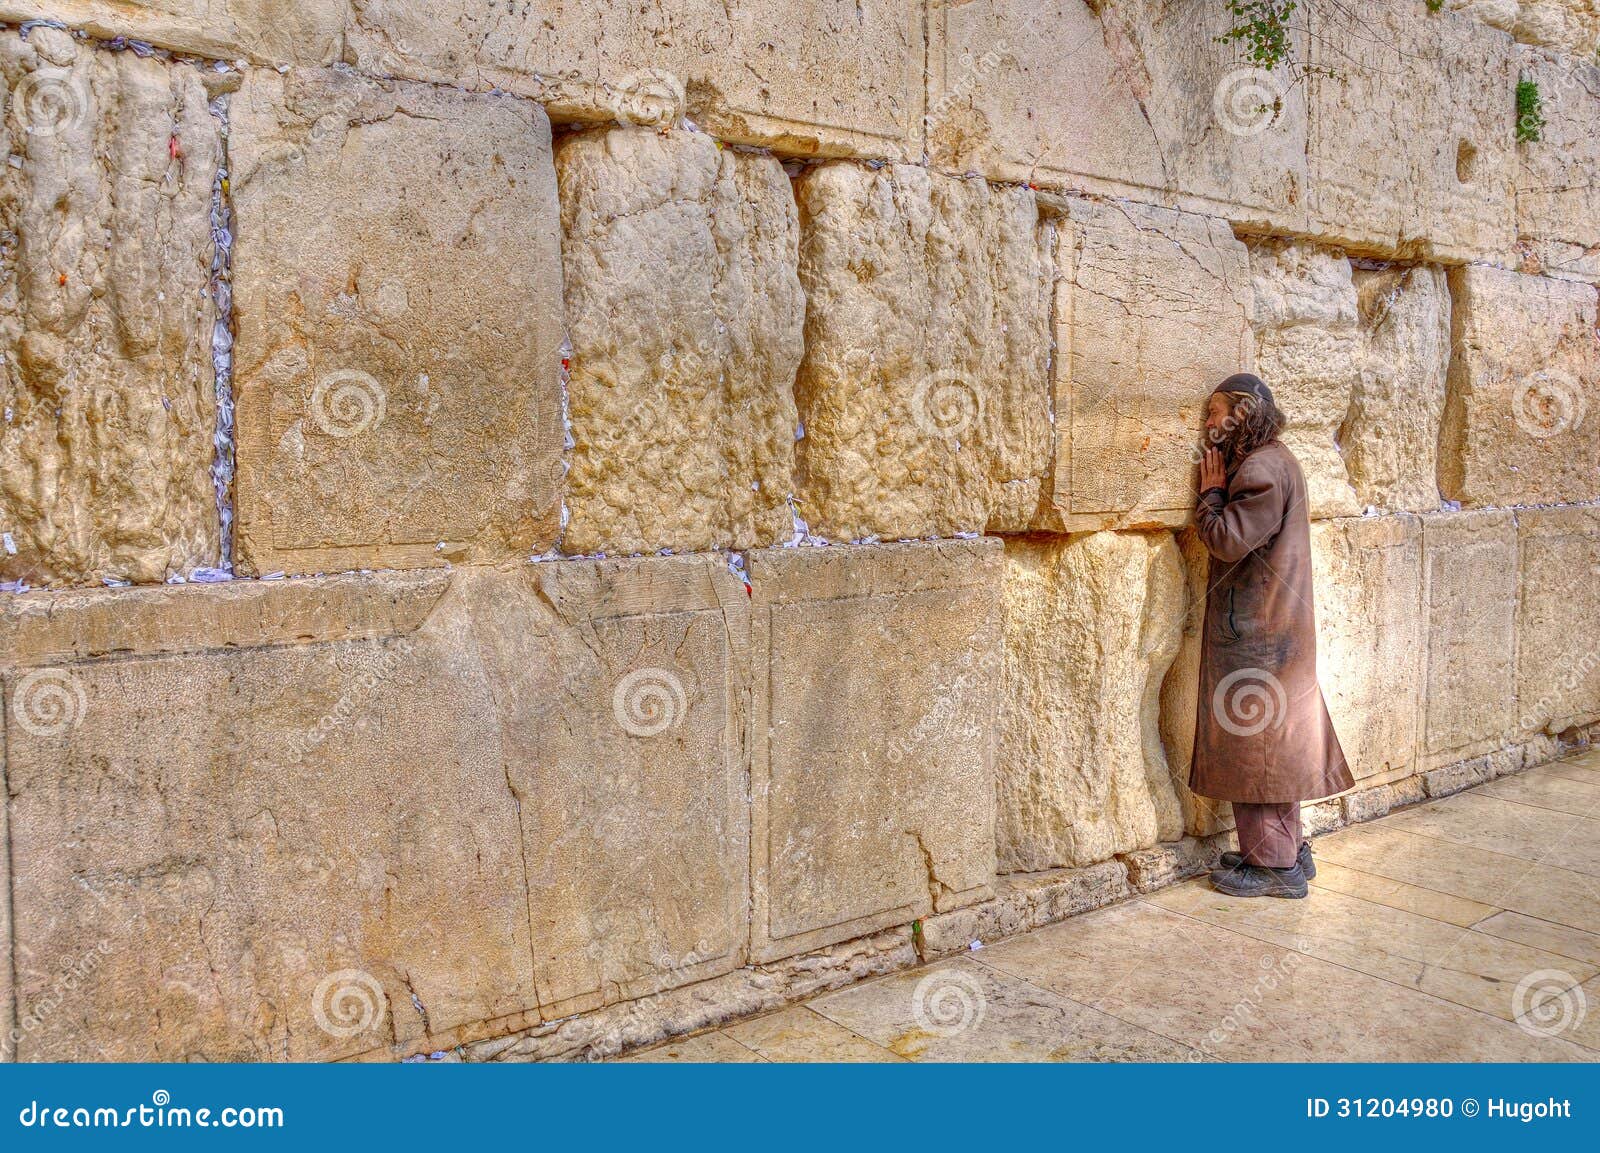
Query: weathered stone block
point(876, 673)
point(1558, 619)
point(267, 31)
point(1410, 146)
point(1558, 174)
point(1367, 578)
point(1152, 310)
point(398, 303)
point(106, 321)
point(925, 389)
point(1526, 371)
point(822, 77)
point(1469, 596)
point(685, 315)
point(1092, 623)
point(1390, 436)
point(1117, 97)
point(268, 840)
point(1308, 350)
point(1570, 24)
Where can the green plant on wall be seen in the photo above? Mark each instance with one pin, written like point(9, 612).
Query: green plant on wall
point(1435, 5)
point(1262, 29)
point(1530, 114)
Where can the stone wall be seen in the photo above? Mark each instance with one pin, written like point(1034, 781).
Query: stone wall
point(528, 531)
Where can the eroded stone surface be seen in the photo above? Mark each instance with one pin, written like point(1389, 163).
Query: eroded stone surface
point(1410, 145)
point(1367, 579)
point(256, 832)
point(1119, 97)
point(876, 673)
point(1092, 623)
point(1522, 418)
point(106, 323)
point(1390, 435)
point(1558, 174)
point(269, 31)
point(398, 305)
point(1308, 350)
point(1469, 596)
point(925, 386)
point(822, 77)
point(1152, 310)
point(1558, 664)
point(685, 314)
point(1570, 24)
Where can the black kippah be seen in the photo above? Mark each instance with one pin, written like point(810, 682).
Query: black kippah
point(1246, 382)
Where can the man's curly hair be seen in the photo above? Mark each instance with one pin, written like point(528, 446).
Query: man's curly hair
point(1251, 423)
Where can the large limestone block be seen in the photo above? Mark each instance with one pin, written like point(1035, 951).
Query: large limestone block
point(1118, 97)
point(1367, 579)
point(398, 304)
point(522, 798)
point(1308, 350)
point(1570, 24)
point(925, 388)
point(1092, 623)
point(1522, 419)
point(685, 315)
point(876, 677)
point(1152, 309)
point(1469, 597)
point(1558, 656)
point(1410, 146)
point(106, 322)
point(268, 31)
point(822, 77)
point(1390, 436)
point(1558, 175)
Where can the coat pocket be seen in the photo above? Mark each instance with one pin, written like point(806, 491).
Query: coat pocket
point(1230, 626)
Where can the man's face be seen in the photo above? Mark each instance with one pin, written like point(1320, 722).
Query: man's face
point(1218, 424)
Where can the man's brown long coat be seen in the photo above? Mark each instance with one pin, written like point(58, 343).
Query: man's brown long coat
point(1262, 730)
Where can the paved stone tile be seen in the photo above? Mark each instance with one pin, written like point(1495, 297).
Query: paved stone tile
point(1578, 944)
point(1456, 964)
point(800, 1034)
point(1399, 895)
point(1576, 793)
point(715, 1046)
point(965, 1011)
point(1533, 834)
point(1555, 1010)
point(1242, 999)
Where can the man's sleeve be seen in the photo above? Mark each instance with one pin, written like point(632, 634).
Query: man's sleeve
point(1243, 520)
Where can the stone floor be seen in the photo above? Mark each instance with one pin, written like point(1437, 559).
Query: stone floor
point(1465, 929)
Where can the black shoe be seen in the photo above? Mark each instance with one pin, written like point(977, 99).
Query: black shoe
point(1231, 860)
point(1260, 881)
